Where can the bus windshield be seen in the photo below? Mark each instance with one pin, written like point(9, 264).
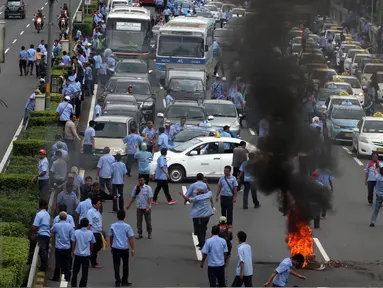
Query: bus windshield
point(181, 46)
point(128, 35)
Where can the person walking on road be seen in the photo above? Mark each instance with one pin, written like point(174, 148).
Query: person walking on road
point(370, 178)
point(144, 158)
point(215, 249)
point(120, 234)
point(244, 271)
point(42, 177)
point(70, 134)
point(64, 111)
point(162, 176)
point(143, 195)
point(149, 134)
point(118, 172)
point(95, 222)
point(248, 181)
point(379, 195)
point(132, 140)
point(83, 208)
point(227, 189)
point(68, 218)
point(104, 170)
point(89, 141)
point(239, 156)
point(63, 232)
point(41, 226)
point(280, 275)
point(31, 59)
point(23, 61)
point(82, 243)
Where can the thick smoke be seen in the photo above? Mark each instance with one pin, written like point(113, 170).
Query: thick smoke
point(278, 88)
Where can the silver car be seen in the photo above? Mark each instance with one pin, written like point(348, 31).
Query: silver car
point(132, 68)
point(224, 113)
point(125, 99)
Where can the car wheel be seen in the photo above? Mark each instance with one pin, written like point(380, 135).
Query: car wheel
point(23, 17)
point(176, 173)
point(6, 16)
point(354, 149)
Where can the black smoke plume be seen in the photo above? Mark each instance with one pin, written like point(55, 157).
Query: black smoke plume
point(278, 89)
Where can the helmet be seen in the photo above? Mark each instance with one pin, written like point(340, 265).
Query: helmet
point(42, 80)
point(39, 11)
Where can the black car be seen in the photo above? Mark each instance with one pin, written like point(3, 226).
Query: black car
point(14, 9)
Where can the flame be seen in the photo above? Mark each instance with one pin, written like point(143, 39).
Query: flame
point(301, 239)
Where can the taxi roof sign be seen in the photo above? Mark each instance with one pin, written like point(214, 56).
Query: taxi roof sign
point(365, 52)
point(376, 61)
point(336, 79)
point(377, 115)
point(347, 102)
point(345, 74)
point(343, 93)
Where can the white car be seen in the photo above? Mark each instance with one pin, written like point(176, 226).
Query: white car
point(341, 55)
point(339, 100)
point(350, 55)
point(379, 80)
point(190, 158)
point(355, 85)
point(357, 60)
point(367, 72)
point(367, 137)
point(215, 11)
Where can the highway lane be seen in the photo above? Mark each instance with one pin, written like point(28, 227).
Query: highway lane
point(17, 89)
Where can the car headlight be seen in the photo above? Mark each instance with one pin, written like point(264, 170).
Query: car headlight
point(361, 94)
point(363, 139)
point(364, 79)
point(335, 126)
point(148, 104)
point(118, 150)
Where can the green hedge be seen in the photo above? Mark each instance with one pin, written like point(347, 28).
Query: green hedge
point(16, 182)
point(56, 97)
point(29, 147)
point(42, 121)
point(41, 132)
point(23, 160)
point(27, 194)
point(12, 229)
point(14, 210)
point(14, 257)
point(22, 169)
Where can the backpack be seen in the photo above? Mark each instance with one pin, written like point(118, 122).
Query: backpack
point(226, 235)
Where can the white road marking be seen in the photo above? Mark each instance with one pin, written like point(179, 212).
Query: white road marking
point(321, 250)
point(197, 251)
point(6, 50)
point(46, 3)
point(164, 102)
point(10, 147)
point(63, 283)
point(358, 161)
point(28, 25)
point(251, 131)
point(1, 13)
point(184, 191)
point(22, 32)
point(14, 41)
point(42, 8)
point(347, 150)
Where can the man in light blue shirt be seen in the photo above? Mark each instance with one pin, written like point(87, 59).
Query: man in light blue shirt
point(63, 232)
point(149, 134)
point(68, 218)
point(64, 110)
point(227, 188)
point(29, 106)
point(244, 271)
point(120, 234)
point(162, 176)
point(118, 172)
point(280, 276)
point(57, 143)
point(83, 208)
point(163, 139)
point(31, 58)
point(95, 222)
point(42, 178)
point(379, 195)
point(65, 59)
point(143, 195)
point(144, 158)
point(215, 249)
point(88, 142)
point(217, 89)
point(168, 99)
point(41, 226)
point(325, 178)
point(180, 126)
point(132, 140)
point(248, 181)
point(104, 170)
point(82, 243)
point(226, 133)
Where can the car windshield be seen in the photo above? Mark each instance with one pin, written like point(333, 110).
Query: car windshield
point(120, 101)
point(354, 82)
point(322, 74)
point(14, 3)
point(220, 110)
point(323, 94)
point(110, 130)
point(216, 4)
point(186, 145)
point(372, 126)
point(339, 101)
point(350, 114)
point(187, 85)
point(212, 8)
point(138, 68)
point(188, 112)
point(186, 135)
point(138, 88)
point(370, 69)
point(181, 46)
point(337, 86)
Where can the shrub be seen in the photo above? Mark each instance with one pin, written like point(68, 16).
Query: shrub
point(17, 210)
point(22, 169)
point(42, 121)
point(16, 181)
point(85, 28)
point(29, 195)
point(55, 97)
point(41, 132)
point(8, 277)
point(12, 229)
point(29, 147)
point(43, 113)
point(21, 160)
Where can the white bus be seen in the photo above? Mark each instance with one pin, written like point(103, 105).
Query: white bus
point(128, 32)
point(185, 40)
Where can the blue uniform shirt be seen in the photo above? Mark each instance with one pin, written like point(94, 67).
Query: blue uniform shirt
point(83, 208)
point(65, 60)
point(215, 249)
point(237, 100)
point(23, 55)
point(88, 134)
point(143, 158)
point(325, 177)
point(64, 109)
point(170, 132)
point(97, 110)
point(245, 255)
point(163, 141)
point(83, 238)
point(178, 127)
point(43, 166)
point(372, 172)
point(379, 185)
point(31, 54)
point(161, 163)
point(283, 270)
point(30, 105)
point(226, 146)
point(143, 197)
point(132, 140)
point(227, 190)
point(54, 147)
point(247, 177)
point(217, 90)
point(120, 231)
point(169, 99)
point(149, 134)
point(105, 164)
point(42, 221)
point(201, 205)
point(69, 219)
point(193, 188)
point(95, 220)
point(64, 232)
point(118, 172)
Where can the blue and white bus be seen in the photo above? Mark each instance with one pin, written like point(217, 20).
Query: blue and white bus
point(185, 40)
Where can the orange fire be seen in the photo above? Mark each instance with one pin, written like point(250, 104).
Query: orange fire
point(301, 240)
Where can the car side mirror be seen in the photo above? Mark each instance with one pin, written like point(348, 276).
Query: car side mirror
point(193, 153)
point(355, 130)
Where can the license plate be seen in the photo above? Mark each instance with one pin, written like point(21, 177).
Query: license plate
point(348, 135)
point(379, 149)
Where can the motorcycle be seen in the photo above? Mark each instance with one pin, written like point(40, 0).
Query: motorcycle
point(39, 22)
point(62, 24)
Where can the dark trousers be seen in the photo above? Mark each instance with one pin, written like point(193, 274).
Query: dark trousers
point(43, 251)
point(370, 191)
point(118, 192)
point(119, 254)
point(87, 157)
point(96, 248)
point(246, 191)
point(37, 70)
point(227, 208)
point(146, 177)
point(236, 173)
point(71, 145)
point(62, 257)
point(247, 280)
point(23, 67)
point(83, 263)
point(218, 66)
point(129, 163)
point(166, 18)
point(87, 149)
point(44, 189)
point(89, 87)
point(165, 186)
point(141, 213)
point(77, 107)
point(216, 274)
point(30, 67)
point(106, 182)
point(200, 227)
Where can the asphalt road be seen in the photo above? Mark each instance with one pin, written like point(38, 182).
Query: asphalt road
point(16, 89)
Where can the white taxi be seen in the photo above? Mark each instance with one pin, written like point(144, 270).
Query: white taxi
point(339, 99)
point(367, 136)
point(207, 155)
point(355, 85)
point(350, 55)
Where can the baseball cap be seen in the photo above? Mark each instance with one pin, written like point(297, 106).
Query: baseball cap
point(168, 122)
point(67, 98)
point(222, 219)
point(43, 152)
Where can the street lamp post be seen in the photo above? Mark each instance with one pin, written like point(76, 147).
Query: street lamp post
point(49, 50)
